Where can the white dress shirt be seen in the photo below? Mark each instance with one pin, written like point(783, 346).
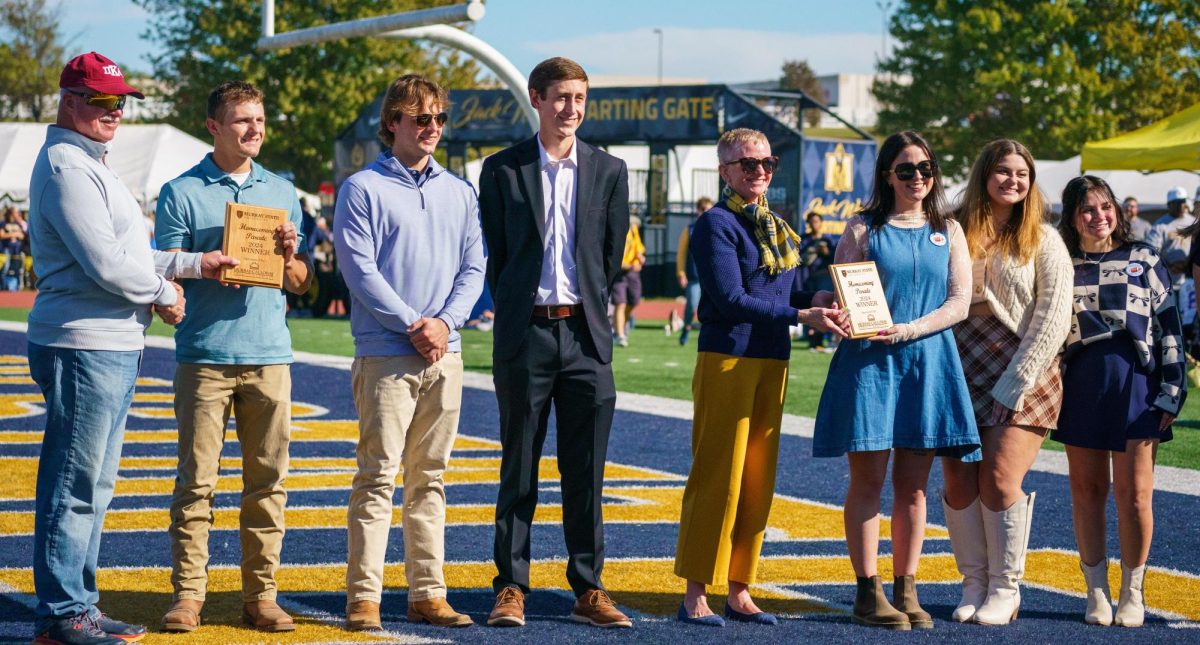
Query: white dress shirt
point(559, 284)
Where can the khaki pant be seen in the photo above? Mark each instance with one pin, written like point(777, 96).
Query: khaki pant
point(407, 415)
point(260, 397)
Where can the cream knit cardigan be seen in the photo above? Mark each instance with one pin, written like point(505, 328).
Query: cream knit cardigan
point(1034, 301)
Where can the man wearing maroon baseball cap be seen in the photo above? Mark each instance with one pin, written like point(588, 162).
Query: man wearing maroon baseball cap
point(96, 73)
point(98, 280)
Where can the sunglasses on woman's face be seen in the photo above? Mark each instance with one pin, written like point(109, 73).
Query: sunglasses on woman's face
point(108, 102)
point(424, 120)
point(749, 164)
point(906, 171)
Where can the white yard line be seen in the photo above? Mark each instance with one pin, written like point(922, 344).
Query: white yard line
point(1169, 479)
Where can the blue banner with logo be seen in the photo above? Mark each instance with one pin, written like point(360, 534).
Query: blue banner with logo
point(835, 179)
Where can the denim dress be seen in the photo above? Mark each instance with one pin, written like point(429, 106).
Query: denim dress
point(911, 394)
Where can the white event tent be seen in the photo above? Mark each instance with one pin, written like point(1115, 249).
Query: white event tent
point(144, 156)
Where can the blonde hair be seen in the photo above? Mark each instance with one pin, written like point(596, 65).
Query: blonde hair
point(1022, 235)
point(408, 95)
point(732, 138)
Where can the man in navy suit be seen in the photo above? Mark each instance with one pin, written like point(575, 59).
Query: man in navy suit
point(555, 212)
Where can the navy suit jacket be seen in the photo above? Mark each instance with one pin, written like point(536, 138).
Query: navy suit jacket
point(512, 211)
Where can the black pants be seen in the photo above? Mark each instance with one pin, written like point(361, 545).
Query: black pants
point(558, 364)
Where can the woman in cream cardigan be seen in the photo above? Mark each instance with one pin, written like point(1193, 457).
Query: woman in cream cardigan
point(1019, 317)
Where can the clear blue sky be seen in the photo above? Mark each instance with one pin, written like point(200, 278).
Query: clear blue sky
point(718, 41)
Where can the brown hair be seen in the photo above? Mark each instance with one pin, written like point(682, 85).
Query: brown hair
point(1022, 236)
point(883, 199)
point(1073, 196)
point(553, 70)
point(408, 94)
point(704, 203)
point(231, 93)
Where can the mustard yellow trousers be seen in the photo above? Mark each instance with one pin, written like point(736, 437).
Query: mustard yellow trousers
point(735, 445)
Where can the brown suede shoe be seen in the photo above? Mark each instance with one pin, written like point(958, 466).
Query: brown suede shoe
point(266, 616)
point(363, 615)
point(437, 612)
point(183, 616)
point(509, 610)
point(596, 608)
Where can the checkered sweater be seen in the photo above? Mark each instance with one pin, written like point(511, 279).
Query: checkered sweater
point(1128, 290)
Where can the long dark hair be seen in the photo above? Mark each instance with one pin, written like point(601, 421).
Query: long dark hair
point(1073, 197)
point(883, 198)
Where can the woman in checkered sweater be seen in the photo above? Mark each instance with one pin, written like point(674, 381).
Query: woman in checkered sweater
point(1019, 316)
point(1124, 384)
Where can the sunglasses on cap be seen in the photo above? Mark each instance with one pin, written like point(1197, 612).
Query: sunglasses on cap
point(424, 120)
point(108, 102)
point(906, 171)
point(749, 164)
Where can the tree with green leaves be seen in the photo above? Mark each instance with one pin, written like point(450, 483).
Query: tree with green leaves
point(797, 75)
point(31, 58)
point(312, 92)
point(1053, 74)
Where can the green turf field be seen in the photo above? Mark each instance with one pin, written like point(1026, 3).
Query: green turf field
point(655, 364)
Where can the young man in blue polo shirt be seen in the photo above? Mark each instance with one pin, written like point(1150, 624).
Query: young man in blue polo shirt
point(234, 351)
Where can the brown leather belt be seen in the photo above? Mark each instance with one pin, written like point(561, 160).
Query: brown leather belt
point(557, 312)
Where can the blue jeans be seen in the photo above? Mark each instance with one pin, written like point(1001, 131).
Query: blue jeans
point(691, 294)
point(87, 394)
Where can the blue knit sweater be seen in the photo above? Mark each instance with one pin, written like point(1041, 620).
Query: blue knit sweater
point(744, 311)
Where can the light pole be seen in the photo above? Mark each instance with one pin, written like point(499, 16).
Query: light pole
point(660, 53)
point(885, 7)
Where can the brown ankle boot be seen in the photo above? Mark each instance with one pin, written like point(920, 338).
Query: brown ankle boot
point(266, 616)
point(183, 616)
point(437, 612)
point(872, 609)
point(904, 598)
point(363, 615)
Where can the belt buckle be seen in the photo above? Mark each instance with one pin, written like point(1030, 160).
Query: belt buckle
point(558, 312)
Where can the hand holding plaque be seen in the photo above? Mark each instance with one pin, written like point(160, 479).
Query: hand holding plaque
point(860, 290)
point(250, 239)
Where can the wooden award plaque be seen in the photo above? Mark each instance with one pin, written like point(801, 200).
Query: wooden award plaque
point(860, 291)
point(250, 237)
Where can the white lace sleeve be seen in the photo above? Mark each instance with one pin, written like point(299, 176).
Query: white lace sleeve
point(958, 292)
point(853, 245)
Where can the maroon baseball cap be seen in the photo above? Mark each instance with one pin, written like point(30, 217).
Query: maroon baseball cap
point(97, 73)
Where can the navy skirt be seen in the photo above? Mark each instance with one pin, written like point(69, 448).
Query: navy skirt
point(1108, 398)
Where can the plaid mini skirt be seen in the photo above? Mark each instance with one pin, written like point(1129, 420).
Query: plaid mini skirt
point(986, 347)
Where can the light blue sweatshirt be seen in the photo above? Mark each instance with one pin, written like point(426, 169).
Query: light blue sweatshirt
point(96, 274)
point(408, 249)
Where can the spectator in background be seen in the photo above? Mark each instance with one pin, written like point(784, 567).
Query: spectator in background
point(627, 290)
point(1138, 227)
point(817, 255)
point(12, 240)
point(1171, 236)
point(685, 270)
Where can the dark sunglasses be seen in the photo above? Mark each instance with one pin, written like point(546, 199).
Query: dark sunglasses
point(108, 102)
point(906, 171)
point(749, 164)
point(424, 120)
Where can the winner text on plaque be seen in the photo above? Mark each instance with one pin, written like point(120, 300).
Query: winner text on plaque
point(860, 291)
point(250, 237)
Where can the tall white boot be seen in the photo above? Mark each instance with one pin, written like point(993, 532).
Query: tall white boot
point(970, 555)
point(1007, 534)
point(1131, 612)
point(1099, 601)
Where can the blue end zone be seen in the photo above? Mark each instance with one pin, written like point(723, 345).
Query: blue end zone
point(641, 440)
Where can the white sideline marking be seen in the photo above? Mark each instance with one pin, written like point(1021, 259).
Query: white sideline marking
point(1170, 479)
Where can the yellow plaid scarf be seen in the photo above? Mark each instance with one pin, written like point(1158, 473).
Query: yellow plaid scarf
point(777, 242)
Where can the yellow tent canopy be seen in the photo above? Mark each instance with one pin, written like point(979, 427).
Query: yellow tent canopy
point(1170, 144)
